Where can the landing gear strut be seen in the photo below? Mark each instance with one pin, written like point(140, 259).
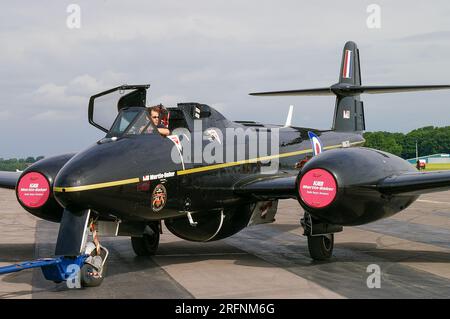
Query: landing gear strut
point(147, 245)
point(73, 241)
point(320, 237)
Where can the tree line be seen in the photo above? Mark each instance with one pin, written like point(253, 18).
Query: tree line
point(13, 164)
point(430, 140)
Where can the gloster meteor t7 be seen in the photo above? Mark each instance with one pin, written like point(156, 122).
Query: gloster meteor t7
point(133, 179)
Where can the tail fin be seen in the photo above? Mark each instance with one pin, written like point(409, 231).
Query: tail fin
point(349, 110)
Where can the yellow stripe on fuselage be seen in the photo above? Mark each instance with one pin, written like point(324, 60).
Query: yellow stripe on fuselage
point(229, 164)
point(194, 170)
point(253, 160)
point(96, 186)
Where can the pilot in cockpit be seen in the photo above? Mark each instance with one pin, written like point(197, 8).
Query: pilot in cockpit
point(155, 116)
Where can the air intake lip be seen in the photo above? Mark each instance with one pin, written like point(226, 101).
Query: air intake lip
point(33, 190)
point(317, 188)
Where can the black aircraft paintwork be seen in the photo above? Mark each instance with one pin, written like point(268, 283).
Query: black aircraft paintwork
point(132, 179)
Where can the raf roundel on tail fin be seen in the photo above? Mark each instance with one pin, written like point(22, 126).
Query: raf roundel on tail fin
point(316, 144)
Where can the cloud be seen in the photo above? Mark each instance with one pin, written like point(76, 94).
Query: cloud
point(71, 95)
point(204, 74)
point(167, 100)
point(53, 116)
point(82, 84)
point(426, 37)
point(53, 96)
point(50, 91)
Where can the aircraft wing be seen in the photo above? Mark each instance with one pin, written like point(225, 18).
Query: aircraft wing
point(283, 186)
point(9, 179)
point(415, 183)
point(265, 187)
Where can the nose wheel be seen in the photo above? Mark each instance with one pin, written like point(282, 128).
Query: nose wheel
point(93, 270)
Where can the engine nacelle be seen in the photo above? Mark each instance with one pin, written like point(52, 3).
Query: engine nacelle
point(34, 188)
point(337, 186)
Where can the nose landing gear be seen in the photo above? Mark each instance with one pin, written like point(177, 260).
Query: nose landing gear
point(93, 270)
point(81, 263)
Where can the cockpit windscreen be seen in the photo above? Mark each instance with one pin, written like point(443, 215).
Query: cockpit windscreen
point(132, 121)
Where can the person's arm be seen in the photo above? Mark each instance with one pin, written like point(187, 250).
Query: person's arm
point(164, 131)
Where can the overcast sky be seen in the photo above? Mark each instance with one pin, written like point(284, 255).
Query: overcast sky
point(214, 52)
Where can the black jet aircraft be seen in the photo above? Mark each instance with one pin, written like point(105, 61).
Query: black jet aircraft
point(134, 178)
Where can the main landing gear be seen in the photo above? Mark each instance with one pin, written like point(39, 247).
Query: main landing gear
point(320, 237)
point(147, 244)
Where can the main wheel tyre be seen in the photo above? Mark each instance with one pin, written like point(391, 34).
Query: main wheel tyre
point(321, 247)
point(147, 245)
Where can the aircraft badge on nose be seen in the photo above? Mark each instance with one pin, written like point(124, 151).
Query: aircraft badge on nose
point(159, 198)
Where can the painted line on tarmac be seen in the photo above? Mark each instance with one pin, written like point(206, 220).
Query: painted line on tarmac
point(432, 201)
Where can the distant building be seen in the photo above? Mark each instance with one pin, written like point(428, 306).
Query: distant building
point(432, 159)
